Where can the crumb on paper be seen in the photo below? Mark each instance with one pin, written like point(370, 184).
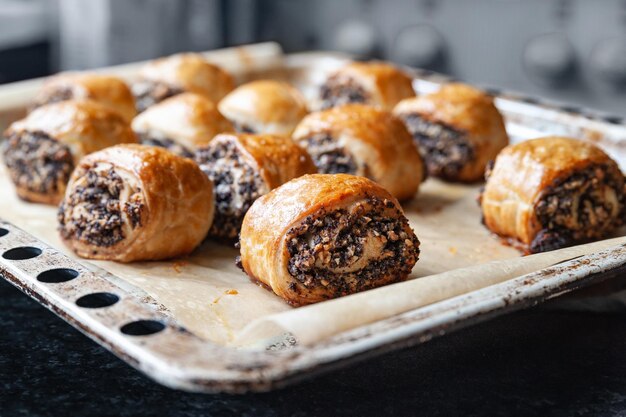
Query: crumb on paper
point(227, 292)
point(179, 265)
point(453, 250)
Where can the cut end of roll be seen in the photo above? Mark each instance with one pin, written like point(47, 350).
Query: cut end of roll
point(343, 251)
point(237, 184)
point(584, 206)
point(38, 165)
point(101, 210)
point(148, 93)
point(329, 156)
point(446, 150)
point(339, 90)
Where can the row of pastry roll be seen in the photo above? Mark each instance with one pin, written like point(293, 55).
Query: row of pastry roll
point(307, 237)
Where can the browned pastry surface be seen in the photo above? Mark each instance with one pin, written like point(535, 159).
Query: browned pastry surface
point(458, 130)
point(181, 123)
point(323, 236)
point(264, 106)
point(553, 192)
point(165, 77)
point(107, 90)
point(42, 149)
point(134, 202)
point(363, 140)
point(244, 167)
point(375, 83)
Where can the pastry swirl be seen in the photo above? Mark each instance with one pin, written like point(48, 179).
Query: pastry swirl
point(264, 106)
point(374, 83)
point(552, 192)
point(366, 141)
point(244, 167)
point(135, 203)
point(457, 129)
point(181, 123)
point(166, 77)
point(42, 149)
point(323, 236)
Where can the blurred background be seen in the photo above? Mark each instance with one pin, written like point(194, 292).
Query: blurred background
point(572, 51)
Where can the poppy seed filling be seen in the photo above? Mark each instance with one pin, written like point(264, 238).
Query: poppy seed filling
point(339, 90)
point(53, 95)
point(37, 162)
point(162, 142)
point(100, 207)
point(236, 185)
point(348, 250)
point(445, 149)
point(585, 205)
point(148, 93)
point(329, 156)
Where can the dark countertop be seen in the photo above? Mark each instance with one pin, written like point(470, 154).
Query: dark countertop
point(537, 362)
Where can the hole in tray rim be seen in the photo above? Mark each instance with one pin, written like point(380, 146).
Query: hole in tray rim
point(22, 253)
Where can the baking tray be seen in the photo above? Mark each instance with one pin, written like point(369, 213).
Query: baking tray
point(143, 333)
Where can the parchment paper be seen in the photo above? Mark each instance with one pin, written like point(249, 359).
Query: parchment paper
point(207, 294)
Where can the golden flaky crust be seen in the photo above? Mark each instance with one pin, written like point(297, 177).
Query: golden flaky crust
point(265, 232)
point(107, 90)
point(384, 83)
point(190, 72)
point(83, 126)
point(377, 140)
point(466, 109)
point(265, 106)
point(523, 172)
point(177, 202)
point(277, 158)
point(190, 119)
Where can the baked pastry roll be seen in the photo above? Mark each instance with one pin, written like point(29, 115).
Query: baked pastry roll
point(41, 150)
point(362, 140)
point(264, 106)
point(166, 77)
point(135, 203)
point(323, 236)
point(107, 90)
point(181, 123)
point(553, 192)
point(374, 83)
point(457, 129)
point(244, 167)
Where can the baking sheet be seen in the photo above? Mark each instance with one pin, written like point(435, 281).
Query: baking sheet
point(212, 298)
point(208, 295)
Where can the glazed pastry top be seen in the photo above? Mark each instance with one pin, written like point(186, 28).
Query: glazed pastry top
point(189, 118)
point(266, 106)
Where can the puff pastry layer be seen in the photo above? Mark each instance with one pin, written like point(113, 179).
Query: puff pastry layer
point(264, 106)
point(553, 192)
point(323, 236)
point(42, 149)
point(135, 203)
point(181, 123)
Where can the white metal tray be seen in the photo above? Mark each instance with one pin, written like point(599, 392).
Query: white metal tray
point(135, 328)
